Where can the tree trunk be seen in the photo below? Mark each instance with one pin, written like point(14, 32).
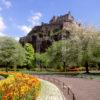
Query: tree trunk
point(41, 68)
point(87, 68)
point(64, 66)
point(6, 68)
point(15, 67)
point(98, 66)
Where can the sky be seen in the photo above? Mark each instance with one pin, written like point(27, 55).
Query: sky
point(18, 17)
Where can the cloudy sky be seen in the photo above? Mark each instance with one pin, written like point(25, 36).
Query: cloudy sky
point(17, 17)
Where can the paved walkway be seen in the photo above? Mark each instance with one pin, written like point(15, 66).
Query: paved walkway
point(49, 91)
point(84, 89)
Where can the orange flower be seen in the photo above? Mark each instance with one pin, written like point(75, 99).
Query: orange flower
point(18, 84)
point(4, 98)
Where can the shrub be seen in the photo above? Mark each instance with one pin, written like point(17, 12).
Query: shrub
point(19, 86)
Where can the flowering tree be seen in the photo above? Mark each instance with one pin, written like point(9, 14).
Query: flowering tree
point(88, 40)
point(82, 48)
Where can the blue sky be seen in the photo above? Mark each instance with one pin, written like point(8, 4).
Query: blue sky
point(17, 17)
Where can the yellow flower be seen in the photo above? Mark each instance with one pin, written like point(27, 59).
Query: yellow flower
point(18, 84)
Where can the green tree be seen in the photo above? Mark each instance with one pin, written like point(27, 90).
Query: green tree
point(89, 44)
point(29, 62)
point(81, 49)
point(63, 53)
point(41, 60)
point(11, 53)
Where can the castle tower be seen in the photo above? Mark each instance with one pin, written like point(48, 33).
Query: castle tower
point(54, 19)
point(70, 17)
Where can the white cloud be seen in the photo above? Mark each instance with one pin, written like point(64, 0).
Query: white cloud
point(2, 24)
point(35, 19)
point(7, 3)
point(2, 27)
point(26, 29)
point(2, 34)
point(17, 38)
point(36, 16)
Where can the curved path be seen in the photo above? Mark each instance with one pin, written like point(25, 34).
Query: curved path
point(49, 91)
point(84, 89)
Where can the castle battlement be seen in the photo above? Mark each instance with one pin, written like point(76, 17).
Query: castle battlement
point(61, 19)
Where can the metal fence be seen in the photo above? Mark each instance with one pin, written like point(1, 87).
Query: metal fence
point(67, 92)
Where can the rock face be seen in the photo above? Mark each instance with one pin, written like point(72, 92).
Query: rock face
point(41, 37)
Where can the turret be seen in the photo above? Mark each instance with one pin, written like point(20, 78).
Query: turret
point(53, 20)
point(70, 17)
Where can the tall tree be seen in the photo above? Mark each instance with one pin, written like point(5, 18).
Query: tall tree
point(41, 60)
point(63, 53)
point(29, 62)
point(11, 53)
point(88, 39)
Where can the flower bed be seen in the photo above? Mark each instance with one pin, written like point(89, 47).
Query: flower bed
point(19, 86)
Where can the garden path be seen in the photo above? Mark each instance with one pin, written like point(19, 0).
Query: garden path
point(49, 91)
point(84, 89)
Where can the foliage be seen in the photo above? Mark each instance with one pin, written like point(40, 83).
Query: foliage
point(55, 54)
point(11, 53)
point(89, 44)
point(63, 52)
point(80, 49)
point(19, 87)
point(41, 59)
point(29, 55)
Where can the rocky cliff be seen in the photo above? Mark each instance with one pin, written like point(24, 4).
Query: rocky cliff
point(41, 37)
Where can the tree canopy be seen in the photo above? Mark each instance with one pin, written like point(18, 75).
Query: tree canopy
point(11, 53)
point(29, 62)
point(82, 48)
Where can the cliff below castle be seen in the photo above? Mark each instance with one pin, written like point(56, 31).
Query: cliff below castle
point(41, 37)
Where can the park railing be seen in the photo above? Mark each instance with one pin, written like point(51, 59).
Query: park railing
point(67, 92)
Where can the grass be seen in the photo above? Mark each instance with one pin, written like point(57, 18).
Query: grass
point(78, 74)
point(91, 75)
point(4, 75)
point(1, 77)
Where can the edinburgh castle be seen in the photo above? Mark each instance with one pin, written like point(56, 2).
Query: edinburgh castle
point(41, 37)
